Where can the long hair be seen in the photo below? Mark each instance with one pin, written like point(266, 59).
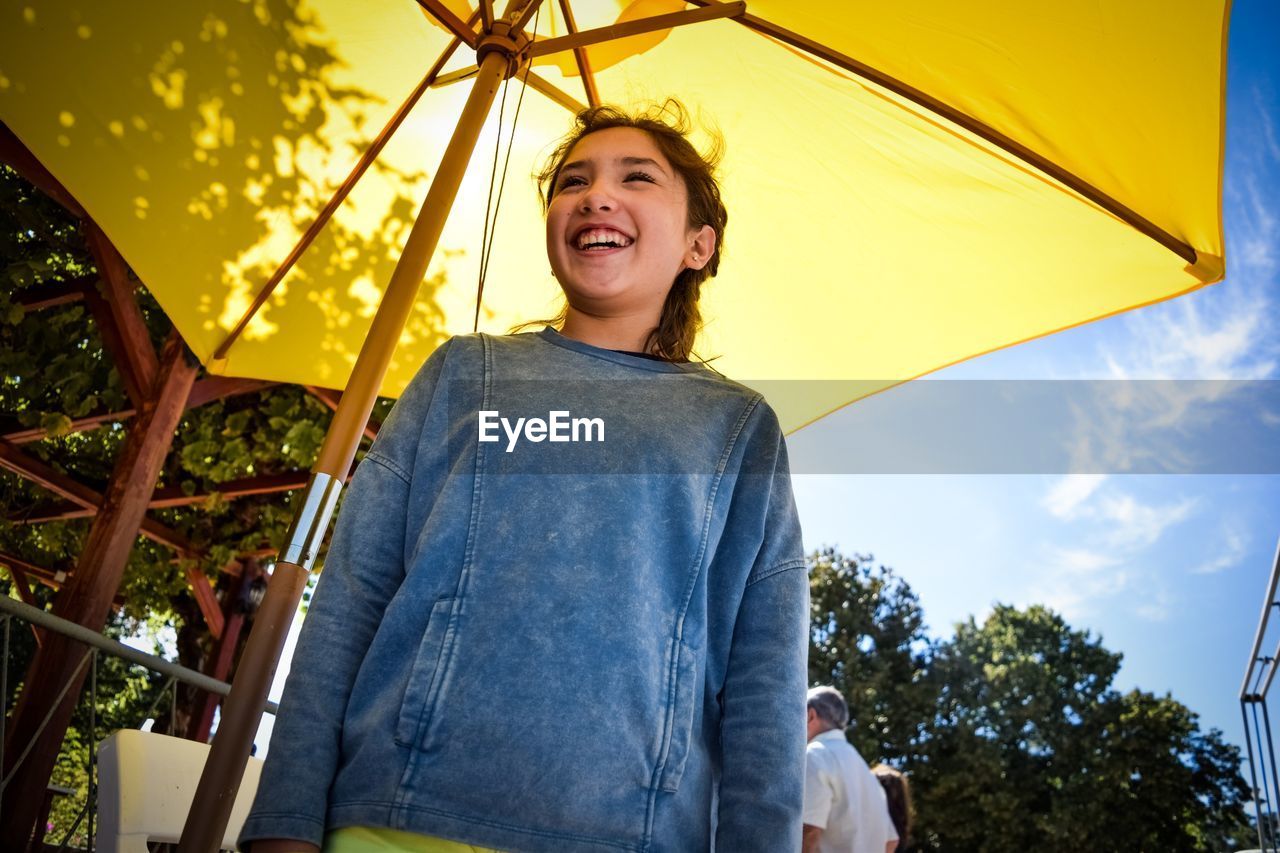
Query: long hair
point(668, 125)
point(897, 794)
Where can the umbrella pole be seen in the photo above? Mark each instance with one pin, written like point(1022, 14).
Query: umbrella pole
point(220, 780)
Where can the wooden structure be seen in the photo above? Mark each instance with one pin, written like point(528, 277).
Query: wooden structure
point(161, 386)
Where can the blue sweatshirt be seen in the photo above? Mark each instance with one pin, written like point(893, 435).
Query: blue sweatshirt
point(587, 634)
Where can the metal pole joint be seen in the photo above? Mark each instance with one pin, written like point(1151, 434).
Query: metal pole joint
point(306, 534)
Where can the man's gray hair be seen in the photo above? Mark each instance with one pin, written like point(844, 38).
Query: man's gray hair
point(830, 706)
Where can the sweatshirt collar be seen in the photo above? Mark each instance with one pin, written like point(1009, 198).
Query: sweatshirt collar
point(551, 336)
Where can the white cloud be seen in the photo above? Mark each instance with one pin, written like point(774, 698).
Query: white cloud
point(1136, 525)
point(1074, 578)
point(1198, 337)
point(1082, 561)
point(1109, 530)
point(1263, 115)
point(1232, 550)
point(1070, 492)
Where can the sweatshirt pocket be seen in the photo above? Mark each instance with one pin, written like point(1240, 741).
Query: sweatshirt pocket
point(682, 718)
point(422, 688)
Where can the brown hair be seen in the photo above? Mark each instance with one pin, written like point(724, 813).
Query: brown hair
point(668, 125)
point(897, 794)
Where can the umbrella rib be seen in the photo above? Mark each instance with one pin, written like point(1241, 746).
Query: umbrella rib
point(709, 12)
point(455, 77)
point(527, 12)
point(461, 29)
point(580, 56)
point(977, 128)
point(556, 94)
point(339, 196)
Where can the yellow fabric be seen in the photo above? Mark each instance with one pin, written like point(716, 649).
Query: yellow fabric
point(369, 839)
point(869, 241)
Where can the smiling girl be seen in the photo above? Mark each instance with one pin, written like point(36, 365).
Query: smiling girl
point(568, 647)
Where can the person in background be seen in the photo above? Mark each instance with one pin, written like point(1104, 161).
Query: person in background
point(897, 795)
point(844, 805)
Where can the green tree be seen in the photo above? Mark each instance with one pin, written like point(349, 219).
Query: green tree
point(867, 639)
point(1031, 749)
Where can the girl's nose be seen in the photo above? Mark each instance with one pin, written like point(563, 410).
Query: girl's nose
point(594, 199)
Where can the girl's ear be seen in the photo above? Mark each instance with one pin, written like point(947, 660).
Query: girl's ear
point(702, 244)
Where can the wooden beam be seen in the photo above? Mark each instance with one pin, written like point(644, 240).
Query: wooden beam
point(213, 388)
point(202, 591)
point(637, 27)
point(52, 578)
point(223, 657)
point(86, 600)
point(30, 468)
point(55, 293)
point(88, 422)
point(21, 581)
point(331, 398)
point(22, 161)
point(263, 484)
point(205, 391)
point(14, 561)
point(120, 322)
point(173, 496)
point(23, 584)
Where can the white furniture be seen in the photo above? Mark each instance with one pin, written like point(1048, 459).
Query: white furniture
point(146, 783)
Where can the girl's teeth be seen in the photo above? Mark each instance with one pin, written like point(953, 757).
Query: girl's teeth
point(586, 240)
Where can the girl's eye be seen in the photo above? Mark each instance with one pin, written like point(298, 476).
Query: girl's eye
point(575, 180)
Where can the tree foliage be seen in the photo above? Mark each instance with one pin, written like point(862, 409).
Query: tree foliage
point(1011, 732)
point(868, 641)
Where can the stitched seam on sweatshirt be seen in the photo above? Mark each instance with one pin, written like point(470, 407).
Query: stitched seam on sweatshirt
point(764, 574)
point(669, 721)
point(448, 655)
point(389, 464)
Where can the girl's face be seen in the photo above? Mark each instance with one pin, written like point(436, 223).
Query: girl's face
point(617, 225)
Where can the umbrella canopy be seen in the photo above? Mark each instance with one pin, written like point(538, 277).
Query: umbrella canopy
point(908, 186)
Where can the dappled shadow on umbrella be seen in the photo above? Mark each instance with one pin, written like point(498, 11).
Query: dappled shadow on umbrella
point(236, 129)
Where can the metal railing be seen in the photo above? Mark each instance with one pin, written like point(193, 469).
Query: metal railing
point(1258, 677)
point(98, 644)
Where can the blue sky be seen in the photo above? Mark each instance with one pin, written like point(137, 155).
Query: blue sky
point(1170, 570)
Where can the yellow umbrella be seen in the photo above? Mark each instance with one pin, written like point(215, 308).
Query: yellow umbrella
point(873, 235)
point(909, 186)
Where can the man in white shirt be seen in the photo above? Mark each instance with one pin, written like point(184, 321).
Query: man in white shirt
point(844, 805)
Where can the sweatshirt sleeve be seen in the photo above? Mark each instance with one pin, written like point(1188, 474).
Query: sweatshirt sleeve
point(364, 568)
point(762, 730)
